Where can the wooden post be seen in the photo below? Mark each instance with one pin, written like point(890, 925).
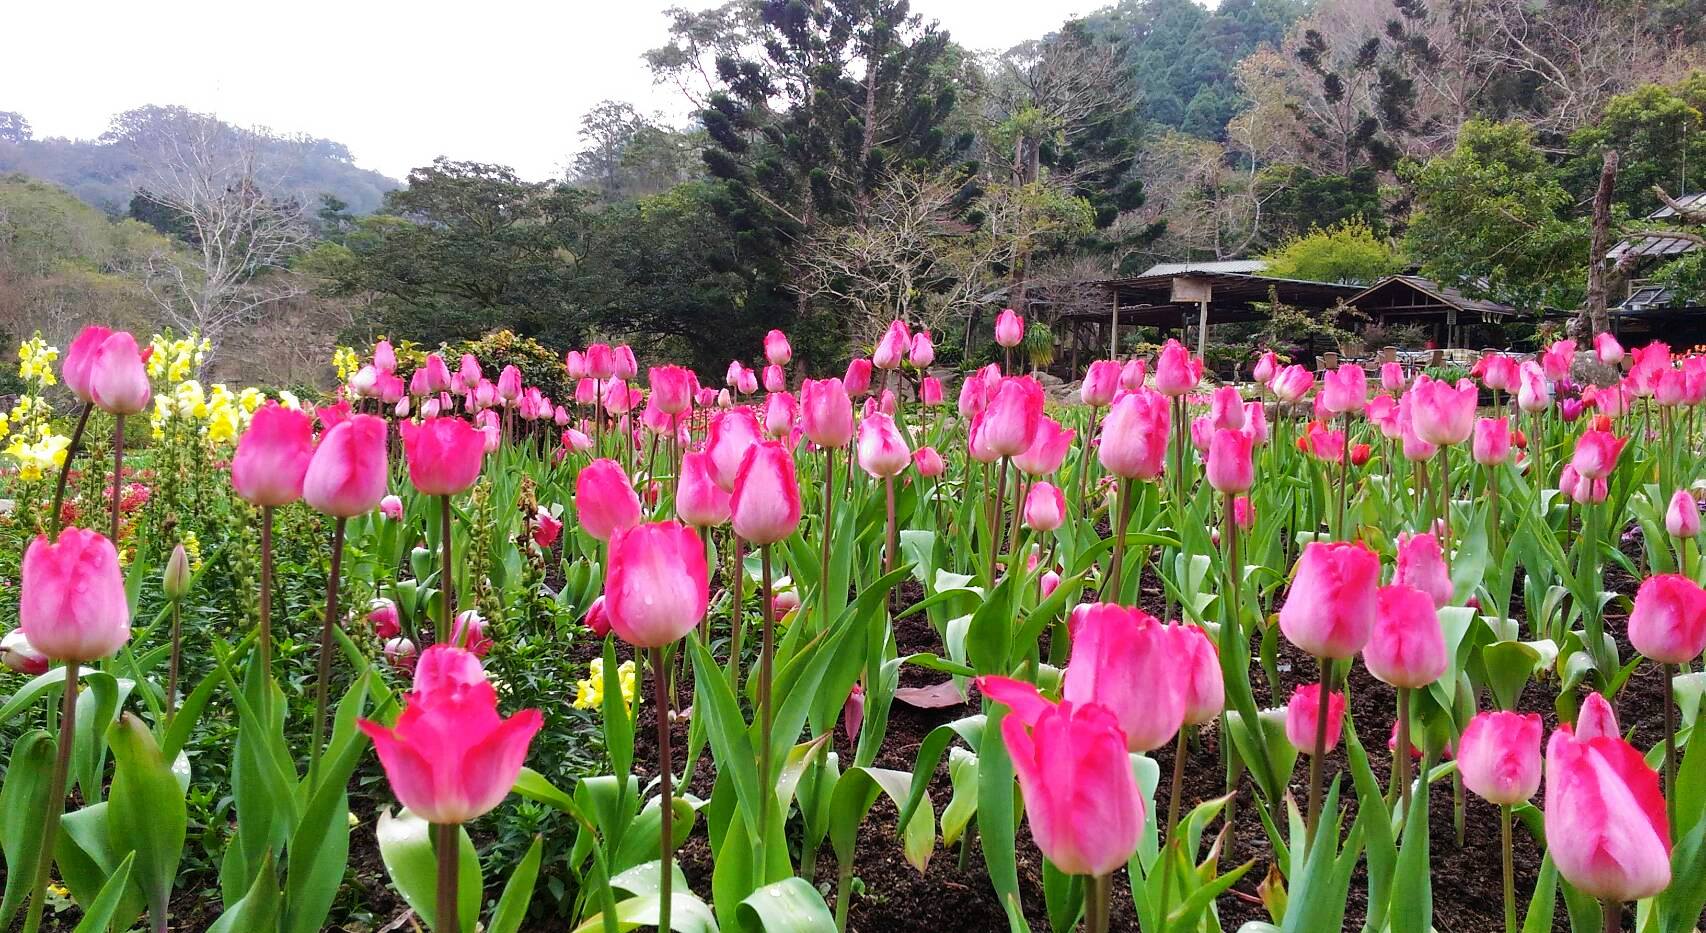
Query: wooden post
point(1202, 327)
point(1114, 328)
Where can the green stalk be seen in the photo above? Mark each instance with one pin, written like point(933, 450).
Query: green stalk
point(55, 800)
point(445, 847)
point(322, 686)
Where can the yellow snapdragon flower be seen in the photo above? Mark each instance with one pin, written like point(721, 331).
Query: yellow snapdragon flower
point(35, 361)
point(37, 458)
point(589, 693)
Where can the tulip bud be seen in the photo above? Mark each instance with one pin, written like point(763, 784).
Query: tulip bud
point(777, 350)
point(1421, 565)
point(18, 654)
point(928, 462)
point(72, 606)
point(857, 381)
point(78, 370)
point(1205, 692)
point(1360, 453)
point(1303, 715)
point(1009, 328)
point(765, 507)
point(1045, 507)
point(272, 456)
point(1682, 517)
point(400, 653)
point(922, 352)
point(1101, 381)
point(882, 450)
point(1176, 371)
point(1668, 623)
point(1134, 437)
point(1331, 606)
point(383, 616)
point(657, 589)
point(732, 434)
point(1492, 444)
point(118, 382)
point(893, 347)
point(176, 582)
point(1499, 757)
point(1344, 389)
point(443, 454)
point(1231, 468)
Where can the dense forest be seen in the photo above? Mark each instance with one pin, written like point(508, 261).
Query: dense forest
point(848, 162)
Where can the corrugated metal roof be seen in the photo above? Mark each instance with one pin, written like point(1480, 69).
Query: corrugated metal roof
point(1657, 245)
point(1244, 266)
point(1687, 200)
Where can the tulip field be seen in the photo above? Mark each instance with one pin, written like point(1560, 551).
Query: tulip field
point(1378, 647)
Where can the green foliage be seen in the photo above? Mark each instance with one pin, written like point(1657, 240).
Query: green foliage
point(1660, 138)
point(1345, 252)
point(1494, 218)
point(1301, 199)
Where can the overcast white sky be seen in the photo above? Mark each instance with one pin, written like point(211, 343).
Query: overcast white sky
point(494, 80)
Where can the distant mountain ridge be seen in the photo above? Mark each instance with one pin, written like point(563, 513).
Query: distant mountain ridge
point(102, 171)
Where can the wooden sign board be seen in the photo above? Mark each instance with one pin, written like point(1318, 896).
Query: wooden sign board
point(1191, 290)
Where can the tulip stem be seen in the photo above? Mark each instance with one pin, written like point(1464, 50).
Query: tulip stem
point(666, 799)
point(172, 664)
point(264, 634)
point(1096, 904)
point(1323, 710)
point(998, 520)
point(737, 619)
point(1670, 747)
point(1344, 473)
point(766, 671)
point(55, 799)
point(322, 687)
point(1084, 463)
point(65, 470)
point(1613, 921)
point(1510, 868)
point(1165, 862)
point(118, 472)
point(1121, 523)
point(1401, 753)
point(447, 576)
point(828, 520)
point(445, 846)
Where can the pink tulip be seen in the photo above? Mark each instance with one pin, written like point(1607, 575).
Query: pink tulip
point(1231, 468)
point(1534, 392)
point(1009, 328)
point(857, 380)
point(1421, 565)
point(596, 619)
point(672, 388)
point(1606, 828)
point(72, 604)
point(468, 373)
point(1045, 507)
point(1266, 366)
point(437, 374)
point(1134, 436)
point(605, 501)
point(892, 349)
point(777, 350)
point(1101, 381)
point(1344, 389)
point(1303, 716)
point(1682, 517)
point(391, 508)
point(1668, 623)
point(400, 653)
point(732, 434)
point(779, 412)
point(118, 382)
point(1226, 408)
point(1496, 371)
point(775, 378)
point(699, 501)
point(574, 365)
point(509, 383)
point(973, 398)
point(882, 450)
point(1292, 383)
point(1392, 377)
point(348, 473)
point(19, 655)
point(1205, 692)
point(600, 361)
point(1124, 659)
point(451, 758)
point(444, 455)
point(826, 413)
point(765, 507)
point(930, 391)
point(1442, 414)
point(1177, 372)
point(1243, 513)
point(469, 633)
point(1414, 448)
point(272, 456)
point(1012, 417)
point(922, 352)
point(1382, 412)
point(1256, 423)
point(1607, 349)
point(623, 365)
point(1048, 449)
point(1499, 756)
point(1492, 445)
point(657, 590)
point(1081, 799)
point(1331, 606)
point(1596, 454)
point(1406, 647)
point(1322, 443)
point(78, 371)
point(1132, 375)
point(1557, 360)
point(546, 528)
point(1202, 431)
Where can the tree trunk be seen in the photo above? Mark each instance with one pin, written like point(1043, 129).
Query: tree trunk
point(1594, 318)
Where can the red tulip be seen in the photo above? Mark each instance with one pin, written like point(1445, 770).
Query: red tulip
point(777, 350)
point(1499, 757)
point(765, 507)
point(451, 757)
point(1406, 647)
point(117, 380)
point(1421, 565)
point(1230, 466)
point(1331, 606)
point(1668, 623)
point(605, 501)
point(657, 590)
point(1134, 436)
point(732, 434)
point(699, 501)
point(1596, 454)
point(1606, 828)
point(882, 449)
point(1302, 718)
point(348, 473)
point(78, 370)
point(1081, 798)
point(1360, 454)
point(444, 454)
point(1048, 449)
point(72, 604)
point(272, 456)
point(1045, 507)
point(596, 619)
point(1009, 328)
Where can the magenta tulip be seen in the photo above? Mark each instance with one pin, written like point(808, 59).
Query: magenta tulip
point(1177, 371)
point(1668, 623)
point(732, 434)
point(348, 473)
point(1101, 381)
point(765, 507)
point(1596, 454)
point(1302, 718)
point(1606, 828)
point(826, 412)
point(1406, 648)
point(272, 456)
point(1499, 756)
point(1134, 436)
point(657, 589)
point(444, 454)
point(1331, 606)
point(1009, 328)
point(1012, 416)
point(1421, 565)
point(1492, 444)
point(1231, 468)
